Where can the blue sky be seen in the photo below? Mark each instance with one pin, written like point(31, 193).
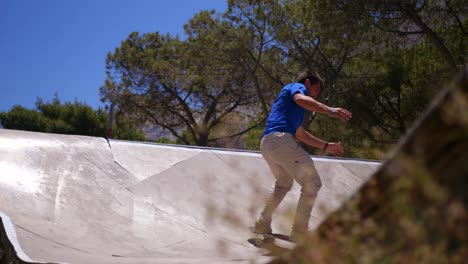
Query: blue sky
point(60, 46)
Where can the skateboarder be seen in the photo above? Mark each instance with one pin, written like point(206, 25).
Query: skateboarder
point(288, 161)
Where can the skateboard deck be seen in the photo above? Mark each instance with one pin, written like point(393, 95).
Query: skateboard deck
point(266, 239)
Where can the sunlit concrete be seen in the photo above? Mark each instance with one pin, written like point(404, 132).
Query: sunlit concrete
point(76, 199)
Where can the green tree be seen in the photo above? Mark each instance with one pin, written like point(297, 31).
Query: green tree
point(187, 87)
point(415, 47)
point(302, 38)
point(252, 138)
point(22, 119)
point(258, 53)
point(383, 60)
point(67, 118)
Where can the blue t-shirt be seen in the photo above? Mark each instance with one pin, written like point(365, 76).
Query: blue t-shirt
point(286, 115)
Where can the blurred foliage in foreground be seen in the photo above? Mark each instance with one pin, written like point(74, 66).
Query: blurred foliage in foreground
point(414, 210)
point(68, 118)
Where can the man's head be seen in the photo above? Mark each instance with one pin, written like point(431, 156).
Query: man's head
point(312, 81)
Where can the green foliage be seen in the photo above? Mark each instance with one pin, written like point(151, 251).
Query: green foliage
point(70, 118)
point(187, 139)
point(22, 119)
point(382, 60)
point(67, 118)
point(389, 89)
point(164, 140)
point(383, 72)
point(125, 129)
point(182, 86)
point(252, 138)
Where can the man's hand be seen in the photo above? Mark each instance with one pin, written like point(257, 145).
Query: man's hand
point(335, 149)
point(340, 113)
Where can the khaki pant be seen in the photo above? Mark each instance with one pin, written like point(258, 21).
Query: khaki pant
point(288, 161)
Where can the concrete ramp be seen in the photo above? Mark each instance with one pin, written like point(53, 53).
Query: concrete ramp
point(76, 199)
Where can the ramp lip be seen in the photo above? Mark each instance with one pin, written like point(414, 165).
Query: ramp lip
point(243, 152)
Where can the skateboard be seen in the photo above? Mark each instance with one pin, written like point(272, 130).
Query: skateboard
point(267, 238)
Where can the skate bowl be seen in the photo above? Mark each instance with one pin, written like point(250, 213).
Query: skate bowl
point(78, 199)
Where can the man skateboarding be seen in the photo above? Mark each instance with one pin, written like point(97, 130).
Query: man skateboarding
point(288, 161)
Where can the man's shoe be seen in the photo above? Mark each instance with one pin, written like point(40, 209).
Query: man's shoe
point(262, 226)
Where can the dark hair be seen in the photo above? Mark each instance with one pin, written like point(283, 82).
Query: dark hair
point(313, 77)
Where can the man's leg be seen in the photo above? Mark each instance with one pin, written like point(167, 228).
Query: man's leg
point(302, 167)
point(304, 209)
point(263, 224)
point(282, 186)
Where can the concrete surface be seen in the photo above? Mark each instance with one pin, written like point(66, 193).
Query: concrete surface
point(77, 199)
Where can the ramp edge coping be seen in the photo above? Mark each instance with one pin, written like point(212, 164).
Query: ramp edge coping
point(241, 152)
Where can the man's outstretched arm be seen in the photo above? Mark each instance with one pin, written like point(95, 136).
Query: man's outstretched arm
point(311, 140)
point(313, 105)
